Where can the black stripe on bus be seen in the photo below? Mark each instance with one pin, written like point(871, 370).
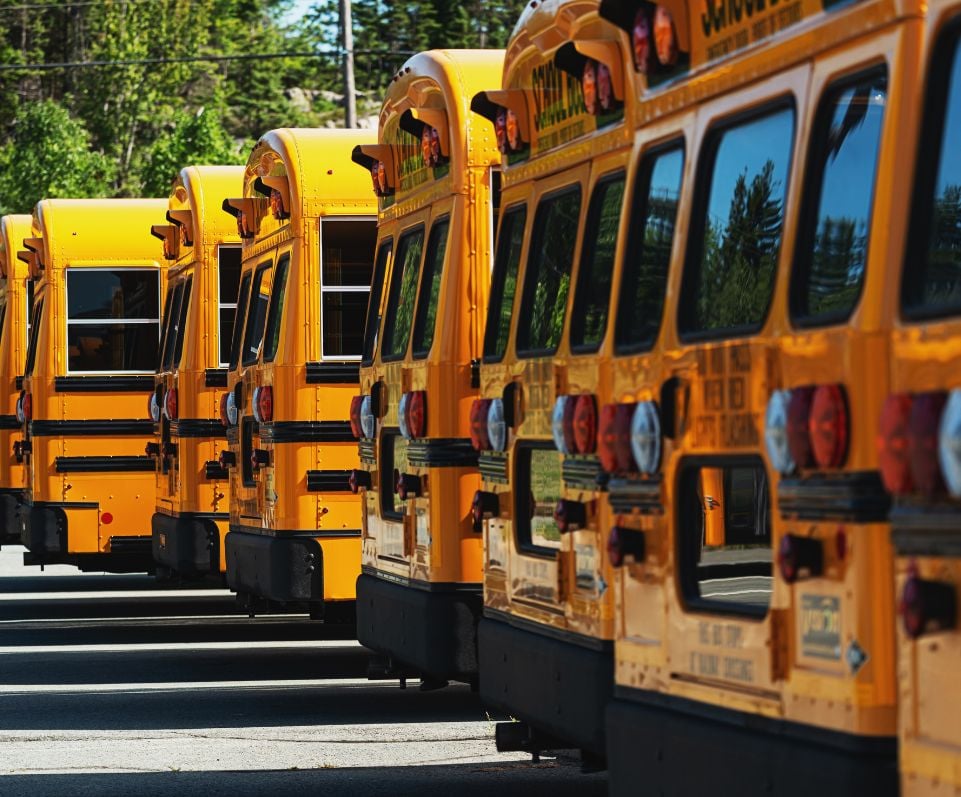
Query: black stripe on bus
point(328, 481)
point(215, 377)
point(453, 452)
point(91, 428)
point(19, 382)
point(9, 422)
point(103, 384)
point(333, 373)
point(196, 427)
point(306, 432)
point(94, 464)
point(857, 497)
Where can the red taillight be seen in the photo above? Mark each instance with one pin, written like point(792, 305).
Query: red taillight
point(265, 404)
point(798, 419)
point(614, 438)
point(106, 518)
point(479, 437)
point(923, 426)
point(893, 444)
point(27, 407)
point(828, 425)
point(927, 606)
point(417, 413)
point(355, 427)
point(170, 404)
point(585, 424)
point(224, 420)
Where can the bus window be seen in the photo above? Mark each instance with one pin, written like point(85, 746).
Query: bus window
point(931, 281)
point(729, 277)
point(504, 282)
point(34, 334)
point(400, 300)
point(256, 313)
point(393, 460)
point(29, 285)
point(113, 319)
point(593, 293)
point(724, 537)
point(228, 275)
point(346, 265)
point(833, 236)
point(372, 326)
point(238, 331)
point(430, 288)
point(181, 323)
point(648, 256)
point(170, 323)
point(538, 480)
point(548, 277)
point(275, 314)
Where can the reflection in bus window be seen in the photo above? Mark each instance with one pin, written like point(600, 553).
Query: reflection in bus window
point(725, 537)
point(276, 312)
point(403, 287)
point(430, 288)
point(228, 274)
point(539, 480)
point(591, 299)
point(372, 326)
point(393, 460)
point(257, 313)
point(347, 247)
point(180, 330)
point(729, 278)
point(504, 282)
point(242, 299)
point(829, 268)
point(113, 319)
point(548, 276)
point(650, 240)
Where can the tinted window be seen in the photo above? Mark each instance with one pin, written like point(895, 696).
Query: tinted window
point(500, 306)
point(180, 332)
point(170, 325)
point(724, 533)
point(34, 335)
point(548, 275)
point(30, 285)
point(256, 314)
point(833, 239)
point(931, 282)
point(242, 301)
point(275, 315)
point(729, 276)
point(430, 288)
point(589, 316)
point(372, 326)
point(347, 252)
point(228, 272)
point(403, 288)
point(113, 319)
point(538, 491)
point(649, 243)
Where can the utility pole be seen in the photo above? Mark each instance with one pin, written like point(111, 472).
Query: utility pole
point(350, 90)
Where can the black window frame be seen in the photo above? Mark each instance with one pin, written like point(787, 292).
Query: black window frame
point(275, 309)
point(246, 357)
point(390, 310)
point(372, 325)
point(522, 488)
point(167, 351)
point(182, 321)
point(31, 358)
point(498, 280)
point(418, 328)
point(813, 181)
point(706, 159)
point(240, 319)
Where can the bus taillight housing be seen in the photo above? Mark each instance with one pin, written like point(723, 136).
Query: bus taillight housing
point(171, 408)
point(355, 426)
point(412, 414)
point(479, 438)
point(806, 427)
point(614, 438)
point(263, 404)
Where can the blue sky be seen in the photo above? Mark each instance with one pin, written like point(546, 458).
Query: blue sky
point(297, 10)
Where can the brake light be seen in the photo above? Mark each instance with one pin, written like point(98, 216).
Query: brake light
point(585, 423)
point(355, 426)
point(170, 404)
point(893, 443)
point(829, 426)
point(798, 426)
point(949, 443)
point(27, 407)
point(224, 420)
point(799, 557)
point(776, 432)
point(646, 437)
point(622, 543)
point(927, 606)
point(417, 413)
point(923, 427)
point(264, 404)
point(614, 438)
point(479, 437)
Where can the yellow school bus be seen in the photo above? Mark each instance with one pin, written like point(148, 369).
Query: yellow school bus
point(16, 299)
point(90, 487)
point(294, 539)
point(754, 648)
point(918, 430)
point(202, 246)
point(419, 596)
point(563, 119)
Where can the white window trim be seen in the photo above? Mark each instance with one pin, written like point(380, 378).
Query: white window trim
point(339, 288)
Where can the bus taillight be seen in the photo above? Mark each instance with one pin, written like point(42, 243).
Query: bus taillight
point(479, 437)
point(355, 426)
point(153, 408)
point(562, 424)
point(828, 426)
point(614, 438)
point(585, 423)
point(224, 419)
point(368, 423)
point(646, 437)
point(927, 606)
point(412, 414)
point(923, 432)
point(798, 426)
point(170, 408)
point(27, 407)
point(263, 404)
point(949, 443)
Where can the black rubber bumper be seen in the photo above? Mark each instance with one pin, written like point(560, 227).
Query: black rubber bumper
point(691, 749)
point(280, 569)
point(187, 544)
point(44, 529)
point(10, 503)
point(431, 632)
point(557, 685)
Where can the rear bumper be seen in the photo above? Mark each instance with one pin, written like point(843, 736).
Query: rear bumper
point(431, 632)
point(559, 685)
point(280, 569)
point(188, 543)
point(10, 502)
point(686, 748)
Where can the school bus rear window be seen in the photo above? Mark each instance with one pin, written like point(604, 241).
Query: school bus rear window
point(504, 283)
point(724, 536)
point(403, 289)
point(591, 299)
point(538, 480)
point(732, 262)
point(430, 288)
point(548, 276)
point(373, 305)
point(931, 282)
point(648, 256)
point(228, 274)
point(276, 312)
point(113, 319)
point(347, 249)
point(256, 313)
point(833, 239)
point(238, 333)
